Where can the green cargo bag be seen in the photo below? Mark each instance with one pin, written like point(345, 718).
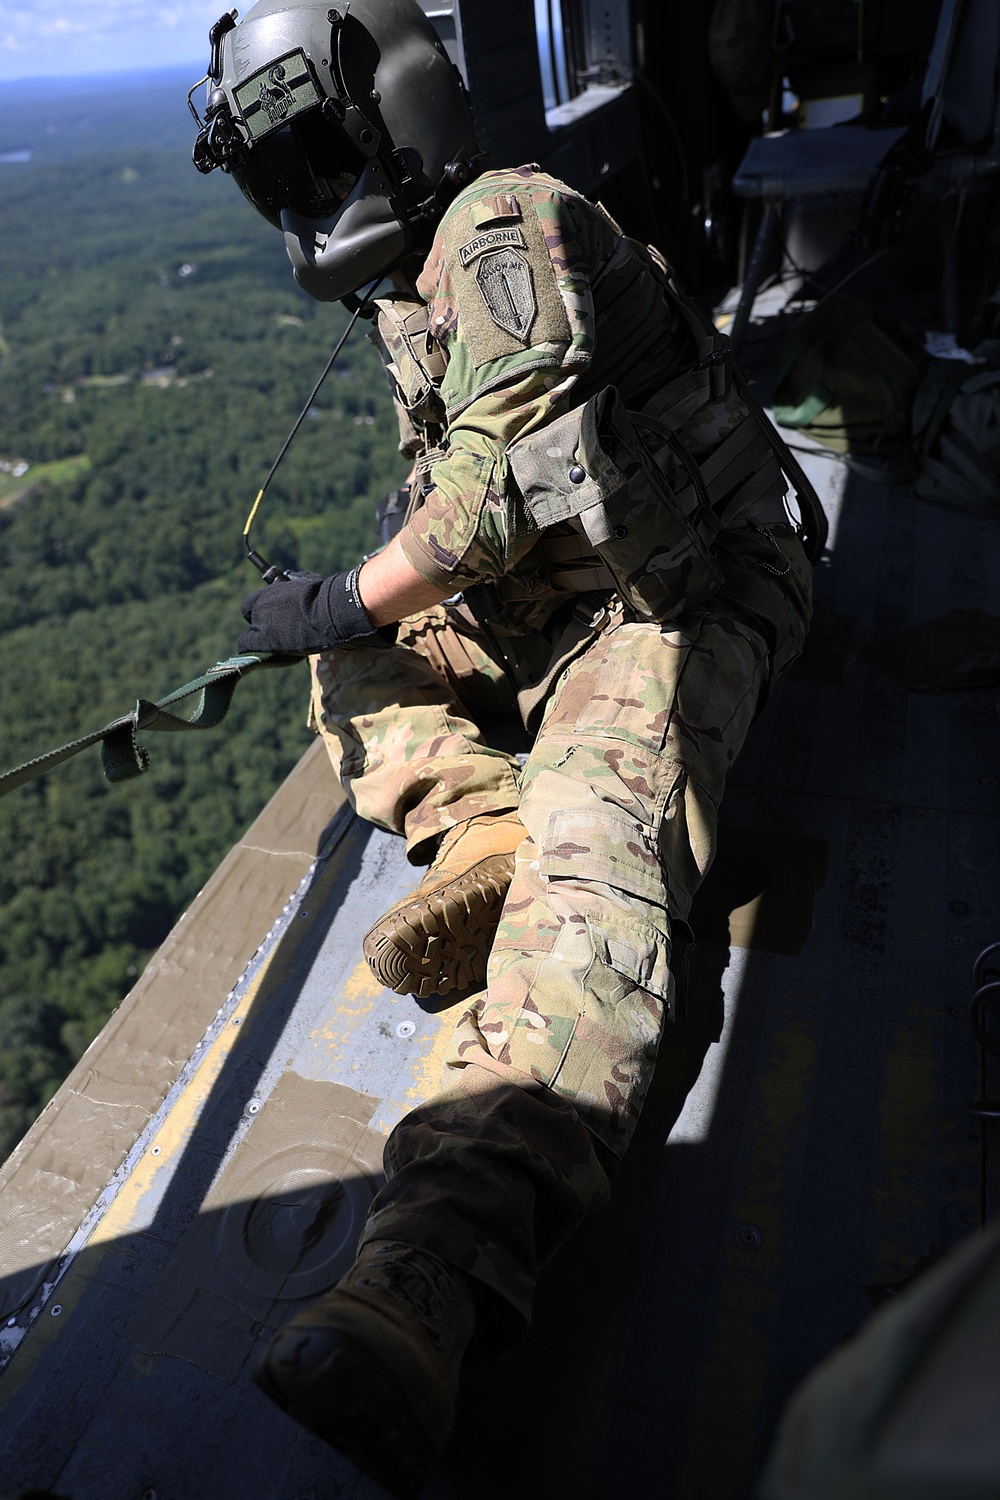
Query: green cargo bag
point(847, 379)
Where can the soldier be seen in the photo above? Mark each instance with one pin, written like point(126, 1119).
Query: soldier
point(597, 535)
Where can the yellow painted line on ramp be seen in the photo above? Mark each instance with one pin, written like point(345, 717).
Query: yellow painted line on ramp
point(354, 1003)
point(124, 1212)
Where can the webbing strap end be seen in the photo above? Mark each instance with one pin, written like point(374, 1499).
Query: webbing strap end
point(121, 756)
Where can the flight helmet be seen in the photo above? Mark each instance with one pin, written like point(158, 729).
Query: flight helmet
point(347, 127)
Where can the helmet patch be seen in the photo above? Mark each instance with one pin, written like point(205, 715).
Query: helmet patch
point(276, 94)
point(506, 283)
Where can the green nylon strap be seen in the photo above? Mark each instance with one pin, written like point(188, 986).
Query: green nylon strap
point(123, 757)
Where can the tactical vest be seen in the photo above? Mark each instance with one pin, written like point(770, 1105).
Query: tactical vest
point(623, 503)
point(416, 366)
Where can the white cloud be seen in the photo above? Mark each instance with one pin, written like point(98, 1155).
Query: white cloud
point(46, 37)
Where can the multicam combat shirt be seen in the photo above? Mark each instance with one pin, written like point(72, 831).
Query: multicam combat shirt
point(536, 302)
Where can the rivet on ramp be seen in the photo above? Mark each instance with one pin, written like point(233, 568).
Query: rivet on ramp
point(405, 1028)
point(748, 1237)
point(253, 1107)
point(57, 1310)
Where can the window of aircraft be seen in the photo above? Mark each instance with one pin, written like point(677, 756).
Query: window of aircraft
point(581, 43)
point(551, 32)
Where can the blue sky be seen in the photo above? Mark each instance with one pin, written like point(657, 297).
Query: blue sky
point(60, 38)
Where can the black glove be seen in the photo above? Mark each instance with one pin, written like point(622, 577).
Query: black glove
point(310, 613)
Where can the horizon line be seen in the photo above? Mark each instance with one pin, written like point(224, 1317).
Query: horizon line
point(95, 76)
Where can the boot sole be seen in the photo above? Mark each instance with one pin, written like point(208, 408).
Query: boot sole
point(440, 942)
point(356, 1405)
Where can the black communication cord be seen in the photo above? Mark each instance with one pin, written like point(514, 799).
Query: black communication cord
point(268, 571)
point(658, 100)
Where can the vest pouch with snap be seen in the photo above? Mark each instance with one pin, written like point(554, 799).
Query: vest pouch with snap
point(592, 468)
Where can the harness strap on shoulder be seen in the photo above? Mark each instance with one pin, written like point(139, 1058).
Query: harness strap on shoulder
point(764, 482)
point(713, 350)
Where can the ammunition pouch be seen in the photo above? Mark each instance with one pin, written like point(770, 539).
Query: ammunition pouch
point(590, 467)
point(416, 366)
point(624, 506)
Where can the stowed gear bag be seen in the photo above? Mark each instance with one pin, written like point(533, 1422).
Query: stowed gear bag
point(592, 468)
point(956, 430)
point(847, 377)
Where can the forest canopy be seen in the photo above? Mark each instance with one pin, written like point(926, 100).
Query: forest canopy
point(154, 351)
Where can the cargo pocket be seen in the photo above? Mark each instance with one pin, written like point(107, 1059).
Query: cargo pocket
point(610, 965)
point(627, 923)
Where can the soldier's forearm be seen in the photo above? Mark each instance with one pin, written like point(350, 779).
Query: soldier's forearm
point(391, 588)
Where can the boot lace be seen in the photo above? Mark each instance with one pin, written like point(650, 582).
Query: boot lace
point(420, 1282)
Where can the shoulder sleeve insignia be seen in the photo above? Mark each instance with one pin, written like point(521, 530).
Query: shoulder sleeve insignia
point(505, 280)
point(495, 288)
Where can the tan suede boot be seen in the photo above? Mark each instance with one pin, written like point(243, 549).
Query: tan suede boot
point(373, 1366)
point(438, 938)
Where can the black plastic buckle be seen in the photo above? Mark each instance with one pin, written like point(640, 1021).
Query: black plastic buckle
point(720, 366)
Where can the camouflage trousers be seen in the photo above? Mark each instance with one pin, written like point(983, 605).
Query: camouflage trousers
point(551, 1062)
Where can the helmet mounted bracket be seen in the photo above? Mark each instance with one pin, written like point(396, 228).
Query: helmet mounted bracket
point(223, 25)
point(218, 136)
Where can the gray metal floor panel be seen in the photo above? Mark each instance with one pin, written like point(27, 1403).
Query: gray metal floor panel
point(826, 1146)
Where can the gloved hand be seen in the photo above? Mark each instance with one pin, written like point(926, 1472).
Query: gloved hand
point(310, 613)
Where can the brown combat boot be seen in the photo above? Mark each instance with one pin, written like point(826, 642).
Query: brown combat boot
point(439, 937)
point(372, 1367)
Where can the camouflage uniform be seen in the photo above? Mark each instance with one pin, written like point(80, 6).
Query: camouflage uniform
point(535, 302)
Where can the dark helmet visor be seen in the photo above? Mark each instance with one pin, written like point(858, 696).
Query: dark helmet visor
point(305, 166)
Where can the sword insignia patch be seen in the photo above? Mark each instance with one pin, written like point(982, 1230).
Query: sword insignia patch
point(504, 278)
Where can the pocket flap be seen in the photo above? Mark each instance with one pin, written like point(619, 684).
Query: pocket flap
point(640, 952)
point(562, 470)
point(601, 842)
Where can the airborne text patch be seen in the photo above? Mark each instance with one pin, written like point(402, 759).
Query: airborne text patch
point(498, 296)
point(492, 239)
